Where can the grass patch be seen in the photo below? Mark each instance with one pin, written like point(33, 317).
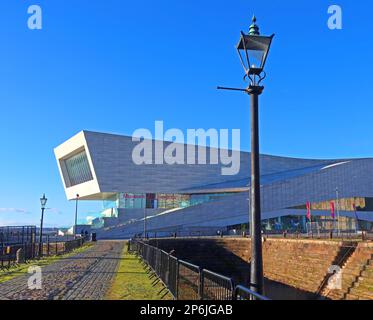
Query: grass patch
point(18, 270)
point(132, 282)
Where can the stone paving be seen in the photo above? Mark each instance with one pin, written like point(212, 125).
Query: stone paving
point(84, 276)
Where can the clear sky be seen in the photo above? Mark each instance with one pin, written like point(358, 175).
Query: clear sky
point(119, 65)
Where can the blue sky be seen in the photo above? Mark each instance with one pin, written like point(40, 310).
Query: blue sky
point(119, 65)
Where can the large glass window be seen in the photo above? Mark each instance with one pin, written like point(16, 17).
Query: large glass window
point(78, 169)
point(164, 200)
point(132, 200)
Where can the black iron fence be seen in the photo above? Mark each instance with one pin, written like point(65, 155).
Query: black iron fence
point(17, 235)
point(217, 287)
point(9, 256)
point(186, 281)
point(189, 281)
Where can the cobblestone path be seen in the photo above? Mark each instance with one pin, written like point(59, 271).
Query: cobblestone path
point(84, 276)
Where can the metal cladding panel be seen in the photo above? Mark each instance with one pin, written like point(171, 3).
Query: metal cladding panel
point(116, 172)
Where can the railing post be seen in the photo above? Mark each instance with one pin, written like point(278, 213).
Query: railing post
point(233, 290)
point(33, 244)
point(168, 270)
point(24, 252)
point(48, 245)
point(177, 279)
point(201, 280)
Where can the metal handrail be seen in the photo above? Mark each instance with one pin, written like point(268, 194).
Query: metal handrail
point(188, 264)
point(217, 275)
point(248, 293)
point(221, 287)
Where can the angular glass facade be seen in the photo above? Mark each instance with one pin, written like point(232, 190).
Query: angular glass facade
point(131, 200)
point(159, 200)
point(343, 204)
point(295, 223)
point(78, 169)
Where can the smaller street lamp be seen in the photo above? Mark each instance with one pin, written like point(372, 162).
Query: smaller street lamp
point(43, 203)
point(76, 215)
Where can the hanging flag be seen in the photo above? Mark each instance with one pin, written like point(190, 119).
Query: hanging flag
point(308, 205)
point(332, 209)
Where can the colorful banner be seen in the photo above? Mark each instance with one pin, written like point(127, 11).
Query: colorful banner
point(308, 205)
point(332, 209)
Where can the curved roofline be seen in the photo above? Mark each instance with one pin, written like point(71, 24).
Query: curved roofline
point(242, 151)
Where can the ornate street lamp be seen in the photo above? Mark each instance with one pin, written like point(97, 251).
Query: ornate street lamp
point(43, 203)
point(253, 51)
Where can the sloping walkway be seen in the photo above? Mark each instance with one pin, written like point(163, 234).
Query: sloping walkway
point(84, 276)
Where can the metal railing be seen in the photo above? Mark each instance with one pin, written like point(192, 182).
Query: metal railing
point(189, 281)
point(186, 281)
point(16, 235)
point(242, 293)
point(8, 254)
point(216, 286)
point(290, 234)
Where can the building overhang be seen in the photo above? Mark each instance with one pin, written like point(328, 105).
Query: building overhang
point(74, 146)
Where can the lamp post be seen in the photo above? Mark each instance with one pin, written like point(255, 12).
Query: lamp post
point(253, 50)
point(338, 225)
point(145, 219)
point(76, 215)
point(43, 203)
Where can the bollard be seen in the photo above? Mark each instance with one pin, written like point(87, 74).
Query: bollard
point(20, 256)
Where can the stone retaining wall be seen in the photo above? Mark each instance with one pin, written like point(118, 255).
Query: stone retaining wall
point(297, 265)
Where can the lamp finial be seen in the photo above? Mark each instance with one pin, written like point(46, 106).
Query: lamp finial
point(254, 29)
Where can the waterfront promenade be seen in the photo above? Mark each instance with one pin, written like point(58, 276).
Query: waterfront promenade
point(86, 275)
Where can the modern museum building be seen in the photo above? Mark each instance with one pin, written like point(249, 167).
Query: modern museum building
point(296, 194)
